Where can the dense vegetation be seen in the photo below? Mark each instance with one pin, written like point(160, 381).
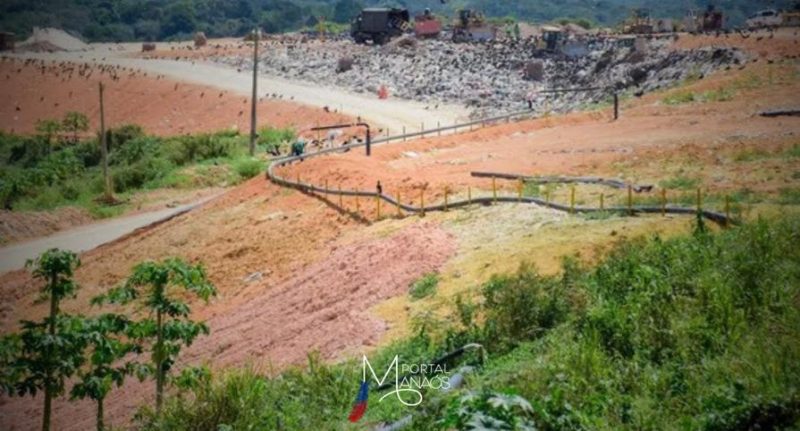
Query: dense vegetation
point(55, 167)
point(696, 332)
point(123, 20)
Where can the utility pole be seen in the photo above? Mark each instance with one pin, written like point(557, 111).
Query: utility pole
point(256, 37)
point(109, 196)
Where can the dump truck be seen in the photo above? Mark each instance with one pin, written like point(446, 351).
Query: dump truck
point(471, 26)
point(427, 25)
point(379, 25)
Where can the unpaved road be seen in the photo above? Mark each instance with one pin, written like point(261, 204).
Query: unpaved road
point(392, 113)
point(85, 237)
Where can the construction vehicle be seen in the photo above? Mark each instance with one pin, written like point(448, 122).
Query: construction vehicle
point(379, 25)
point(767, 18)
point(791, 18)
point(639, 22)
point(471, 26)
point(427, 25)
point(552, 38)
point(712, 20)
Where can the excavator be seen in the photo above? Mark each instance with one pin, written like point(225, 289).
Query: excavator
point(471, 26)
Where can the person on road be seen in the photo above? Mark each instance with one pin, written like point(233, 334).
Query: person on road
point(379, 187)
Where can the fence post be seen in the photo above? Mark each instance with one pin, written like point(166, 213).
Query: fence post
point(404, 133)
point(616, 106)
point(446, 193)
point(602, 204)
point(663, 202)
point(699, 200)
point(358, 205)
point(326, 188)
point(469, 195)
point(439, 128)
point(494, 190)
point(547, 197)
point(377, 207)
point(727, 210)
point(422, 202)
point(399, 202)
point(340, 197)
point(572, 199)
point(422, 129)
point(630, 199)
point(519, 190)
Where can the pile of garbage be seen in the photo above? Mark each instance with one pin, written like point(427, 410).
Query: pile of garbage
point(490, 78)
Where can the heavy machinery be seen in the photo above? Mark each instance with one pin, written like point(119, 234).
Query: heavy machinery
point(427, 25)
point(471, 26)
point(712, 20)
point(379, 25)
point(639, 22)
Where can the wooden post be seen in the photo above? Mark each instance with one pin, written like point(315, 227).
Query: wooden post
point(469, 195)
point(699, 200)
point(663, 202)
point(399, 202)
point(547, 196)
point(602, 204)
point(340, 197)
point(422, 129)
point(727, 210)
point(358, 205)
point(326, 187)
point(439, 128)
point(377, 207)
point(404, 133)
point(254, 101)
point(519, 190)
point(422, 202)
point(572, 200)
point(616, 106)
point(494, 190)
point(630, 200)
point(446, 192)
point(109, 192)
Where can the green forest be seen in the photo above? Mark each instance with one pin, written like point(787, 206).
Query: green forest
point(151, 20)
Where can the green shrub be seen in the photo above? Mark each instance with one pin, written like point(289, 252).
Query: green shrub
point(424, 287)
point(248, 168)
point(134, 150)
point(270, 138)
point(789, 196)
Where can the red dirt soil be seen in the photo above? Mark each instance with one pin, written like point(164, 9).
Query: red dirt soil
point(163, 107)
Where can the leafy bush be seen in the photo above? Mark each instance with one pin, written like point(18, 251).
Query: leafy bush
point(248, 168)
point(424, 287)
point(270, 138)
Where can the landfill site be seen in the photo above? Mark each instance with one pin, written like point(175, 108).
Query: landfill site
point(463, 151)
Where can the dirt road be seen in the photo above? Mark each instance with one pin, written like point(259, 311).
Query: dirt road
point(86, 237)
point(392, 113)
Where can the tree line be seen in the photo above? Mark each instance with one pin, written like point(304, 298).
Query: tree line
point(152, 20)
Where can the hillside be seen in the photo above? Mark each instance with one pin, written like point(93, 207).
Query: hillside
point(124, 20)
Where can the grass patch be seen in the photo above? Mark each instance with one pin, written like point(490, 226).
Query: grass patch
point(424, 287)
point(247, 168)
point(683, 97)
point(793, 152)
point(789, 196)
point(751, 155)
point(680, 183)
